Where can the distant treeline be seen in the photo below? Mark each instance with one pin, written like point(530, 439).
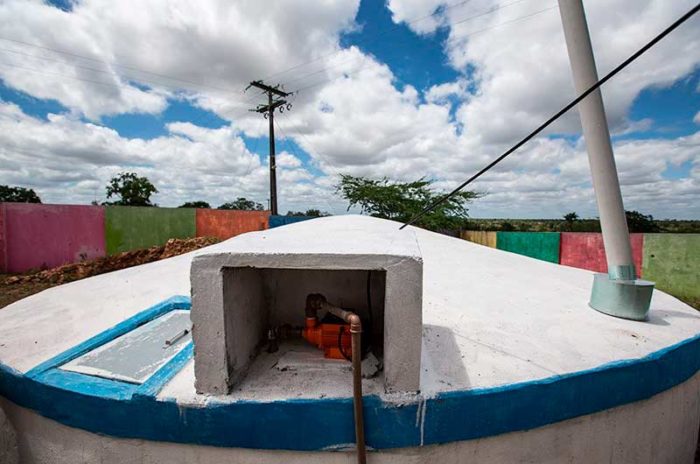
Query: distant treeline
point(579, 225)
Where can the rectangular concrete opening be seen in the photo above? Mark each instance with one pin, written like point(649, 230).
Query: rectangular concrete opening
point(236, 297)
point(255, 299)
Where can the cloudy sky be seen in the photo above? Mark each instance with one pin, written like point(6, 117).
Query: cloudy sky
point(403, 89)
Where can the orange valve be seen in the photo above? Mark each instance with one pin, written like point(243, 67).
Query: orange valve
point(330, 337)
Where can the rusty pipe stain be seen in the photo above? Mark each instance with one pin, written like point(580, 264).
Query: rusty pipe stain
point(315, 302)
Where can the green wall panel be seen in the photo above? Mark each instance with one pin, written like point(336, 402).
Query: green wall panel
point(132, 227)
point(540, 245)
point(673, 262)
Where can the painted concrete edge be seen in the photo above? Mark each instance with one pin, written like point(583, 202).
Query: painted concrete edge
point(156, 382)
point(175, 302)
point(446, 417)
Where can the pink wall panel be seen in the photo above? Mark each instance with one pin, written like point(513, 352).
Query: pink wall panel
point(585, 251)
point(44, 236)
point(3, 241)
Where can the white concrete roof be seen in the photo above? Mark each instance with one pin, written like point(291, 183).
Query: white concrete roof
point(490, 317)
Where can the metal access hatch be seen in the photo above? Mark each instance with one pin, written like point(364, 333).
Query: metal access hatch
point(136, 355)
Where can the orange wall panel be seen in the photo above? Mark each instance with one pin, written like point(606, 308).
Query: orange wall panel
point(225, 224)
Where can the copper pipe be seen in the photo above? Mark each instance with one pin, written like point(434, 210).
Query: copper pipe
point(355, 334)
point(316, 301)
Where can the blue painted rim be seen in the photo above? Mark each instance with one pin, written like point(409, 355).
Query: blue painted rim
point(48, 372)
point(108, 407)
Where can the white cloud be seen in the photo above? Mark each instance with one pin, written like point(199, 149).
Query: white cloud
point(67, 160)
point(522, 68)
point(206, 45)
point(441, 92)
point(355, 119)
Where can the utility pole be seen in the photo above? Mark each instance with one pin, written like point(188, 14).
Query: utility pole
point(619, 293)
point(275, 99)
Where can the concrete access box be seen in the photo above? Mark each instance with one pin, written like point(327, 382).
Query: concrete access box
point(236, 297)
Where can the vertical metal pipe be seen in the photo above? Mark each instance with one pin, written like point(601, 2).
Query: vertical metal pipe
point(355, 333)
point(316, 301)
point(597, 136)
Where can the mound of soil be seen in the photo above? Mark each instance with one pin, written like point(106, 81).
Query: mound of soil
point(15, 287)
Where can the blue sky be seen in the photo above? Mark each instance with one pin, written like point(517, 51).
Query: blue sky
point(404, 91)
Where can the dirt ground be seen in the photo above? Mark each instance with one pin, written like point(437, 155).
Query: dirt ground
point(16, 287)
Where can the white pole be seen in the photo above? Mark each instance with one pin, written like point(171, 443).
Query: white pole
point(597, 136)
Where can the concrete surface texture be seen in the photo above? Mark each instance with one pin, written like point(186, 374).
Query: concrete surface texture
point(9, 452)
point(540, 245)
point(673, 262)
point(480, 236)
point(659, 430)
point(586, 251)
point(511, 317)
point(39, 236)
point(225, 224)
point(490, 319)
point(229, 290)
point(130, 227)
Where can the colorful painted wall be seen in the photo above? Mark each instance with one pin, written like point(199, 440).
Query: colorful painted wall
point(277, 221)
point(540, 245)
point(481, 237)
point(586, 251)
point(34, 236)
point(3, 240)
point(130, 228)
point(672, 261)
point(39, 236)
point(225, 224)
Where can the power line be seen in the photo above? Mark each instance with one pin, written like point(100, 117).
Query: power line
point(315, 152)
point(558, 114)
point(97, 70)
point(480, 31)
point(209, 116)
point(463, 20)
point(374, 37)
point(38, 71)
point(275, 101)
point(290, 145)
point(107, 63)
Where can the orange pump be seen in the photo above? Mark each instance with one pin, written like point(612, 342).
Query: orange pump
point(331, 337)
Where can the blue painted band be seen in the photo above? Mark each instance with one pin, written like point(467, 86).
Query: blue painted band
point(162, 376)
point(48, 372)
point(315, 424)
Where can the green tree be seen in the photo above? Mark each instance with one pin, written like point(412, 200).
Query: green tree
point(195, 204)
point(309, 213)
point(18, 195)
point(400, 201)
point(506, 226)
point(638, 222)
point(569, 220)
point(242, 204)
point(130, 189)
